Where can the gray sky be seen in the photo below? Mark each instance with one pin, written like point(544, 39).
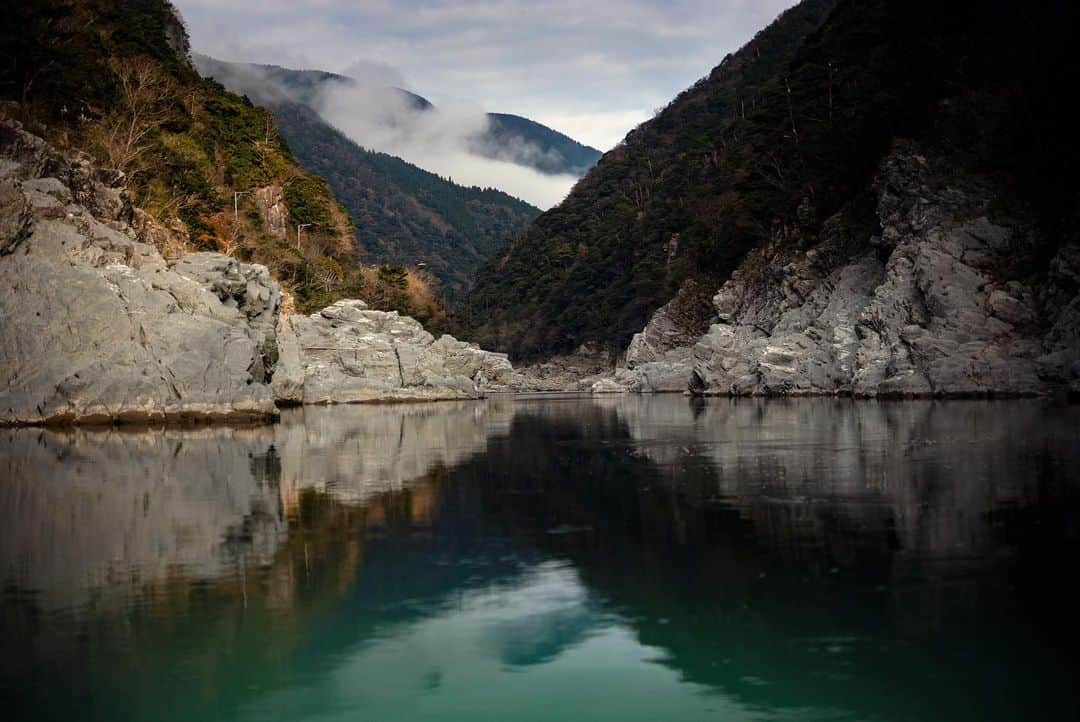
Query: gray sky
point(592, 69)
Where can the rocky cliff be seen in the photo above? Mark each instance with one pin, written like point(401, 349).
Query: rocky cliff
point(950, 298)
point(757, 160)
point(97, 326)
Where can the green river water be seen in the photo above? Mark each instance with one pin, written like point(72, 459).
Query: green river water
point(627, 558)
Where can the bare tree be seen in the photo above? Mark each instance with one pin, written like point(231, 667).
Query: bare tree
point(126, 131)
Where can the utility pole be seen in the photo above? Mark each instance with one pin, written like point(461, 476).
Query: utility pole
point(300, 227)
point(236, 204)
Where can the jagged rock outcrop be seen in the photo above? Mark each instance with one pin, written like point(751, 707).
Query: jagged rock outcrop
point(348, 353)
point(270, 200)
point(660, 358)
point(97, 327)
point(945, 302)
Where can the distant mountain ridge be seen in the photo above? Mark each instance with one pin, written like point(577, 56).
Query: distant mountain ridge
point(404, 214)
point(507, 137)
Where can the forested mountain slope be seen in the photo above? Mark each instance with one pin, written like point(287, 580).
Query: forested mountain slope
point(112, 78)
point(779, 138)
point(505, 137)
point(403, 214)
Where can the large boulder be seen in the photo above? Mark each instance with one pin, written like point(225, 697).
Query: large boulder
point(96, 327)
point(348, 353)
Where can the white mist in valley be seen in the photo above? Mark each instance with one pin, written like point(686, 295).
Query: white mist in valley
point(451, 139)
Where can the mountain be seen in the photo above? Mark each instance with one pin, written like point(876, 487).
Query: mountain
point(201, 169)
point(503, 136)
point(785, 144)
point(403, 214)
point(528, 143)
point(112, 78)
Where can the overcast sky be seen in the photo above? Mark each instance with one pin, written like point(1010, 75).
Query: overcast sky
point(592, 69)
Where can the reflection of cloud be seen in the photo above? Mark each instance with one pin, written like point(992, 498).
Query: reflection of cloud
point(521, 622)
point(542, 637)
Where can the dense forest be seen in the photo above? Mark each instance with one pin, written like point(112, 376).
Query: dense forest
point(779, 137)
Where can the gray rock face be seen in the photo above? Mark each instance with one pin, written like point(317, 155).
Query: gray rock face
point(270, 201)
point(659, 359)
point(348, 353)
point(247, 288)
point(96, 327)
point(16, 218)
point(939, 305)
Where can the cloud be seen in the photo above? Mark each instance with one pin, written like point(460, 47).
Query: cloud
point(374, 74)
point(537, 58)
point(453, 140)
point(450, 140)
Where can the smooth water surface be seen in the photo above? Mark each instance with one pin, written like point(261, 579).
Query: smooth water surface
point(633, 558)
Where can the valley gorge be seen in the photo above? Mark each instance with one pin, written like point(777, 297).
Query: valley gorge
point(321, 400)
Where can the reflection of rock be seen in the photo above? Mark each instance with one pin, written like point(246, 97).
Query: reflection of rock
point(355, 452)
point(84, 512)
point(778, 461)
point(105, 512)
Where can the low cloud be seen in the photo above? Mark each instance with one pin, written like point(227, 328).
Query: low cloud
point(451, 140)
point(374, 75)
point(543, 59)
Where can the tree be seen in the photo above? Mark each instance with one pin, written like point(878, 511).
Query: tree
point(144, 91)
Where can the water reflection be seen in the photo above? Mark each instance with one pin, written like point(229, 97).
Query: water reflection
point(621, 558)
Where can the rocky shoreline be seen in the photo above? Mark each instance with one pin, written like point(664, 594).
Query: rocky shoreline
point(947, 300)
point(97, 327)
